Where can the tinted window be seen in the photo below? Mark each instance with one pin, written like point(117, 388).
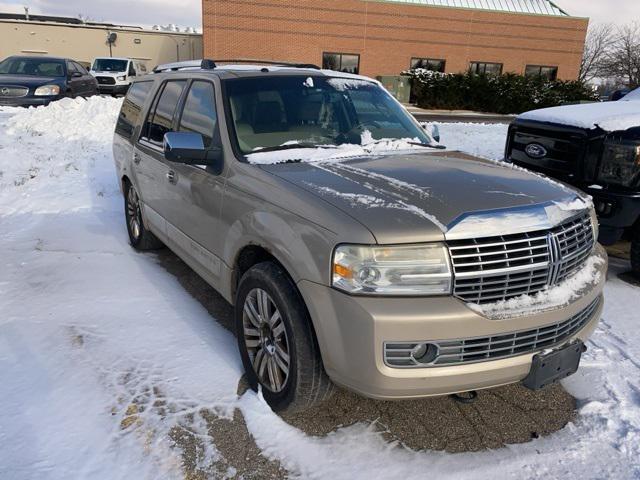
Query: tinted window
point(341, 62)
point(160, 121)
point(131, 108)
point(32, 66)
point(132, 70)
point(550, 73)
point(199, 114)
point(80, 68)
point(428, 64)
point(484, 68)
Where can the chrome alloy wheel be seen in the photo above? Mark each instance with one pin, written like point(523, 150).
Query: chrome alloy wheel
point(266, 339)
point(133, 213)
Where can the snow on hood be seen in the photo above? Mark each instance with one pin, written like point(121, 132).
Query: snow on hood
point(609, 116)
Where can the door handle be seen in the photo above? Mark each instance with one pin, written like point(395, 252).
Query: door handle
point(172, 177)
point(137, 158)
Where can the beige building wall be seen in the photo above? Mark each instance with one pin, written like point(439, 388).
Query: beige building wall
point(85, 42)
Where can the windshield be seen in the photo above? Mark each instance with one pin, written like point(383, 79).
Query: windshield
point(109, 65)
point(36, 67)
point(274, 112)
point(634, 95)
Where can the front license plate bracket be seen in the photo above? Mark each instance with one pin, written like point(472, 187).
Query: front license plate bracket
point(548, 368)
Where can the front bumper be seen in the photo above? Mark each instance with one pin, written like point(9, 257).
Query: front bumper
point(113, 89)
point(617, 212)
point(27, 101)
point(352, 330)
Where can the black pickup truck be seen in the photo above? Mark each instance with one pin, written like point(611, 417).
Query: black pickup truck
point(594, 147)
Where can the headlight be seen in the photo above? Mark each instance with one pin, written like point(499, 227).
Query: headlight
point(620, 162)
point(47, 90)
point(122, 78)
point(399, 270)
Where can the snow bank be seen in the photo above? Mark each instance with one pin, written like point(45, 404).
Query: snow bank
point(609, 116)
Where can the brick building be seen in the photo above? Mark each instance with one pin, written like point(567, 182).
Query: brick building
point(385, 37)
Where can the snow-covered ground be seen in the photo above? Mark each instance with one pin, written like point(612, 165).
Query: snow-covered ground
point(103, 353)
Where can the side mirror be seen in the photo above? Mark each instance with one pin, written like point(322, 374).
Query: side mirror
point(188, 148)
point(432, 130)
point(76, 74)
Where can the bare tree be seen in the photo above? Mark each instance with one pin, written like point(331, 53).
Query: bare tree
point(600, 39)
point(624, 58)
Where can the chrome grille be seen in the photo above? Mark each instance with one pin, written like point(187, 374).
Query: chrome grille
point(12, 91)
point(499, 268)
point(482, 349)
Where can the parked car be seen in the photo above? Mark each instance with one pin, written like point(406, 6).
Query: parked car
point(596, 148)
point(114, 75)
point(34, 81)
point(397, 271)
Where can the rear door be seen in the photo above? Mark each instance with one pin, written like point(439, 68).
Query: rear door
point(89, 84)
point(194, 224)
point(74, 80)
point(152, 171)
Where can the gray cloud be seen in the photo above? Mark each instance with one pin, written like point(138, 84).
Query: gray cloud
point(603, 11)
point(187, 13)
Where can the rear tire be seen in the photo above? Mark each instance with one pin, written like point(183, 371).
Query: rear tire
point(276, 340)
point(635, 251)
point(139, 237)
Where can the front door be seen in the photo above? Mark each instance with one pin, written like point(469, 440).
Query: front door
point(153, 173)
point(194, 223)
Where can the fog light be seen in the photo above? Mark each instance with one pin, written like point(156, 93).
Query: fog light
point(424, 353)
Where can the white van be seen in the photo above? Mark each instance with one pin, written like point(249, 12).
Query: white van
point(114, 75)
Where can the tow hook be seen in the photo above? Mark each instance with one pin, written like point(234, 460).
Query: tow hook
point(464, 397)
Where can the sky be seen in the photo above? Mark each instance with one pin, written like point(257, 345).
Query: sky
point(188, 14)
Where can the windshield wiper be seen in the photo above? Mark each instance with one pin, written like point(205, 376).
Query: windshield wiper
point(289, 146)
point(437, 146)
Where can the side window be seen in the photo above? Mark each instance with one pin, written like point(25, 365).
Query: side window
point(160, 119)
point(132, 71)
point(71, 69)
point(132, 107)
point(79, 68)
point(199, 114)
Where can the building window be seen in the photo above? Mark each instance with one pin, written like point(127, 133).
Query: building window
point(428, 64)
point(485, 68)
point(341, 62)
point(550, 73)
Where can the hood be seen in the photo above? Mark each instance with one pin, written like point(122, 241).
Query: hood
point(405, 198)
point(609, 116)
point(109, 73)
point(29, 80)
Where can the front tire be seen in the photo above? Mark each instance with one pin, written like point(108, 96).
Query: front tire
point(277, 344)
point(139, 237)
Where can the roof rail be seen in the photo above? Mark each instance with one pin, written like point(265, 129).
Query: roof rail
point(270, 62)
point(204, 64)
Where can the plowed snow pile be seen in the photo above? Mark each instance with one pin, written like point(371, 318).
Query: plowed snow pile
point(103, 353)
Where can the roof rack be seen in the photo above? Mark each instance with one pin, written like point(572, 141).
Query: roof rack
point(270, 62)
point(204, 64)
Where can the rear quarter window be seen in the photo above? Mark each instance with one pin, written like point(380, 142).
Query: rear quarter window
point(132, 108)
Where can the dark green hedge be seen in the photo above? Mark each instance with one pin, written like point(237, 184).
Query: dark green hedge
point(508, 93)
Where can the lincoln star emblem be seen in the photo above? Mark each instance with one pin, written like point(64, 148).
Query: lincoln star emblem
point(4, 91)
point(535, 150)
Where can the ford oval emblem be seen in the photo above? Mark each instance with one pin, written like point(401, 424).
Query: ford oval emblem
point(535, 150)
